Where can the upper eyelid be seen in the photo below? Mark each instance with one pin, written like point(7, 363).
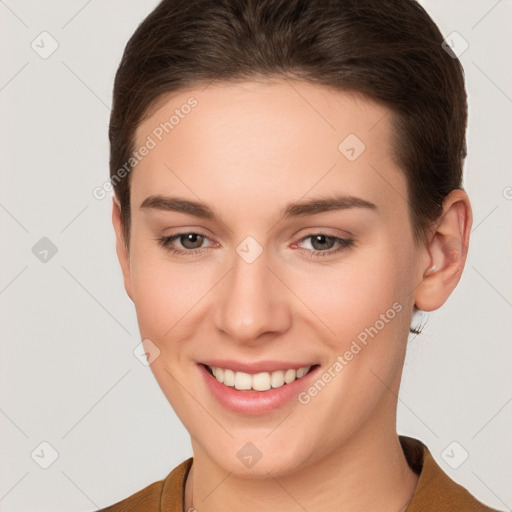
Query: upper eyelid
point(335, 237)
point(176, 236)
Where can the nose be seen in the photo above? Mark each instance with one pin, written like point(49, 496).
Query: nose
point(253, 303)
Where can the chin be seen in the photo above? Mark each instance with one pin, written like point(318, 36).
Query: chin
point(259, 458)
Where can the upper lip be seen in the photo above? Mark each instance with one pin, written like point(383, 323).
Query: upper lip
point(255, 367)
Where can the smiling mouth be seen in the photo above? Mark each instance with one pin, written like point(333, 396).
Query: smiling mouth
point(262, 381)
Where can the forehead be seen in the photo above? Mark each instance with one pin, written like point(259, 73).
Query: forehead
point(260, 142)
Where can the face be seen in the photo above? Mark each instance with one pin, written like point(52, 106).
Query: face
point(299, 254)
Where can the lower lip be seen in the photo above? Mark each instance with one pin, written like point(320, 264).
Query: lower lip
point(253, 403)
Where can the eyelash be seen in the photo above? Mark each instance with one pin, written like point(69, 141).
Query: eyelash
point(343, 244)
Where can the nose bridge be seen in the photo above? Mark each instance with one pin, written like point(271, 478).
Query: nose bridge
point(252, 302)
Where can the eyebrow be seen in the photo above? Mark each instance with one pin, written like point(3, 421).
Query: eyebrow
point(291, 210)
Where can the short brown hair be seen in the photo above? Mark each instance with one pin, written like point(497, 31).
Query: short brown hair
point(390, 51)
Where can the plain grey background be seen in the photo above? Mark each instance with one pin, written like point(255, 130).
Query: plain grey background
point(69, 378)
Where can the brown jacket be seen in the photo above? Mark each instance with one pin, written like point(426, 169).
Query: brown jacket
point(435, 491)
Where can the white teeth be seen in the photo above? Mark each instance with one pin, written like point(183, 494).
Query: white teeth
point(290, 376)
point(229, 378)
point(219, 374)
point(301, 372)
point(243, 380)
point(262, 381)
point(277, 379)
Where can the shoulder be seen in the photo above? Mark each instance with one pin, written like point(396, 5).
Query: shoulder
point(435, 489)
point(151, 498)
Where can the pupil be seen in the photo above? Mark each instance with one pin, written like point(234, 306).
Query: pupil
point(192, 238)
point(321, 239)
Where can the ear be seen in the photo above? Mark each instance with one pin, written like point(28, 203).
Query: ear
point(447, 251)
point(121, 248)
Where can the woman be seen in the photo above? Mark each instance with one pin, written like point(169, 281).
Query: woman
point(288, 194)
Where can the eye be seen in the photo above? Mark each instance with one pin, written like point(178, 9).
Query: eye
point(326, 245)
point(191, 242)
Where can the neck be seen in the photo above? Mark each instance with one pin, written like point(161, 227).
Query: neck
point(371, 473)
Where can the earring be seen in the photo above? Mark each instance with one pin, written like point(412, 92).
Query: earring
point(430, 271)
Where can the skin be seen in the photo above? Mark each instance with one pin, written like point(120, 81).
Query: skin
point(247, 150)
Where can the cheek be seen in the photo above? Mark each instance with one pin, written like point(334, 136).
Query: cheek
point(163, 292)
point(352, 297)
